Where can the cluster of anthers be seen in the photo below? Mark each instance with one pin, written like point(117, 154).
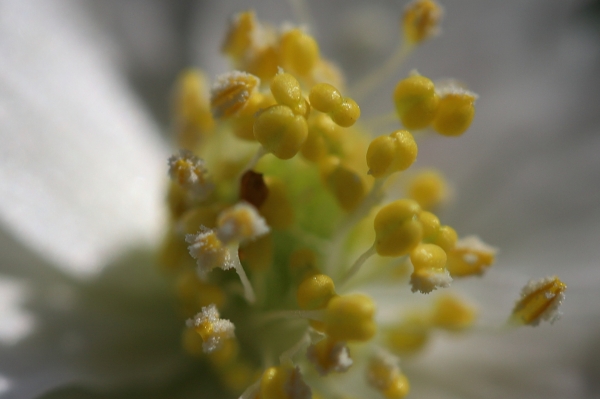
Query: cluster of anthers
point(278, 181)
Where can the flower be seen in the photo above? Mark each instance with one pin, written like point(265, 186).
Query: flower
point(555, 179)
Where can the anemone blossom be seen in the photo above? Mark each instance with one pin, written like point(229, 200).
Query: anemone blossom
point(86, 313)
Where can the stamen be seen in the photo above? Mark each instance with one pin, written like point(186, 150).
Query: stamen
point(384, 375)
point(430, 273)
point(212, 328)
point(231, 92)
point(189, 172)
point(540, 300)
point(329, 356)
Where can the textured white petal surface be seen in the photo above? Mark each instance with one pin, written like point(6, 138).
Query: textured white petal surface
point(81, 166)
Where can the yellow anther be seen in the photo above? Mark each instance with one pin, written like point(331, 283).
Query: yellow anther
point(189, 172)
point(193, 119)
point(324, 138)
point(420, 20)
point(428, 257)
point(470, 256)
point(280, 131)
point(350, 318)
point(240, 223)
point(540, 300)
point(398, 388)
point(346, 114)
point(428, 188)
point(393, 153)
point(410, 335)
point(325, 98)
point(241, 30)
point(329, 356)
point(286, 91)
point(430, 223)
point(213, 330)
point(277, 208)
point(303, 263)
point(243, 122)
point(315, 292)
point(453, 313)
point(397, 228)
point(258, 254)
point(264, 62)
point(416, 102)
point(455, 113)
point(283, 382)
point(209, 251)
point(347, 185)
point(231, 92)
point(446, 238)
point(384, 375)
point(344, 111)
point(298, 51)
point(430, 273)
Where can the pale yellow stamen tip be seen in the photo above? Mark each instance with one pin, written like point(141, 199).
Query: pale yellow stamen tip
point(410, 335)
point(344, 111)
point(240, 223)
point(213, 330)
point(421, 20)
point(189, 172)
point(350, 318)
point(540, 300)
point(453, 313)
point(231, 92)
point(329, 356)
point(385, 376)
point(299, 52)
point(470, 256)
point(209, 251)
point(455, 112)
point(393, 153)
point(416, 102)
point(429, 263)
point(280, 131)
point(428, 188)
point(347, 185)
point(286, 91)
point(193, 120)
point(397, 228)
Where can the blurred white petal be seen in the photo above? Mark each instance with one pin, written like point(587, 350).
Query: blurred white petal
point(81, 164)
point(117, 331)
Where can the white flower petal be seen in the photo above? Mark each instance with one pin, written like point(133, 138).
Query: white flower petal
point(118, 331)
point(81, 167)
